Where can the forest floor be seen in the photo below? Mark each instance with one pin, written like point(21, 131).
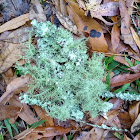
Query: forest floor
point(112, 28)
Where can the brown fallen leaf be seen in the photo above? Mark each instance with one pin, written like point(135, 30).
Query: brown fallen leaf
point(63, 7)
point(67, 23)
point(19, 35)
point(94, 134)
point(43, 115)
point(9, 73)
point(13, 8)
point(40, 132)
point(122, 79)
point(125, 120)
point(137, 137)
point(14, 23)
point(136, 125)
point(8, 80)
point(126, 138)
point(36, 11)
point(136, 68)
point(65, 137)
point(134, 110)
point(8, 111)
point(135, 37)
point(57, 5)
point(125, 27)
point(107, 9)
point(9, 55)
point(117, 103)
point(26, 114)
point(115, 35)
point(112, 119)
point(15, 84)
point(88, 26)
point(121, 60)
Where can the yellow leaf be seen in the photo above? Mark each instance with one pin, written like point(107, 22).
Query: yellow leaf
point(136, 37)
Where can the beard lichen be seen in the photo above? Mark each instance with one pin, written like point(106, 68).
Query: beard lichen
point(66, 82)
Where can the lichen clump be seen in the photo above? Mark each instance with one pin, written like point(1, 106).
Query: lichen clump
point(66, 83)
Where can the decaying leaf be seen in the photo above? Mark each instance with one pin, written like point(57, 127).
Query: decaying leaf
point(88, 27)
point(67, 23)
point(18, 36)
point(40, 132)
point(107, 9)
point(94, 134)
point(125, 26)
point(135, 37)
point(9, 55)
point(43, 115)
point(136, 68)
point(125, 119)
point(15, 84)
point(122, 79)
point(126, 138)
point(14, 23)
point(115, 35)
point(26, 114)
point(137, 137)
point(63, 7)
point(136, 125)
point(36, 11)
point(111, 119)
point(13, 8)
point(8, 111)
point(134, 110)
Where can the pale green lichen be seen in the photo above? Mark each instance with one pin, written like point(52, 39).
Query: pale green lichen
point(66, 83)
point(123, 96)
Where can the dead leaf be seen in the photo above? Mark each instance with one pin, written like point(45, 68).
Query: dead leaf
point(8, 111)
point(36, 11)
point(115, 35)
point(13, 8)
point(26, 114)
point(8, 80)
point(112, 119)
point(14, 23)
point(65, 137)
point(94, 134)
point(107, 9)
point(88, 26)
point(122, 79)
point(137, 137)
point(9, 73)
point(136, 125)
point(130, 6)
point(121, 60)
point(41, 132)
point(15, 84)
point(67, 23)
point(19, 35)
point(136, 68)
point(9, 55)
point(125, 26)
point(57, 5)
point(117, 103)
point(63, 8)
point(134, 110)
point(125, 120)
point(2, 85)
point(43, 115)
point(126, 138)
point(135, 37)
